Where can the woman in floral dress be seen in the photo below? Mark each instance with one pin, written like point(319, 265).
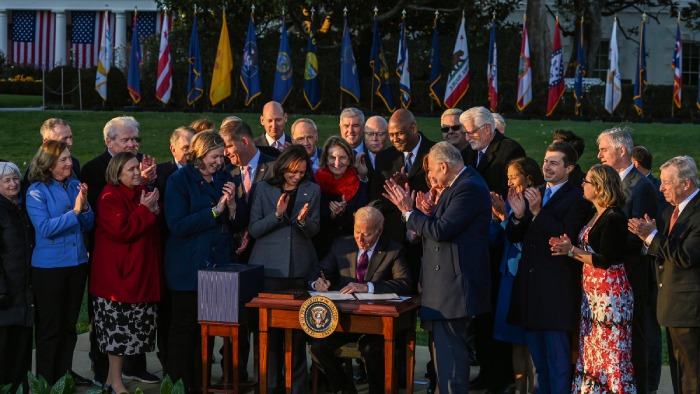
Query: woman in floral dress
point(605, 360)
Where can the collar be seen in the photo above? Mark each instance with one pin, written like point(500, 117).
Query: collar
point(415, 150)
point(369, 251)
point(685, 202)
point(271, 141)
point(556, 187)
point(253, 162)
point(460, 173)
point(626, 171)
point(360, 148)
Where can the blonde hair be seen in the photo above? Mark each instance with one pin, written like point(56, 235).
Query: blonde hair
point(201, 144)
point(608, 186)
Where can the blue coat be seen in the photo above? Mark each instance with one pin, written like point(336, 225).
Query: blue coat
point(197, 239)
point(59, 231)
point(456, 273)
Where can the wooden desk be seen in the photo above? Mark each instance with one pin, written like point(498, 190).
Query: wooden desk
point(362, 317)
point(230, 332)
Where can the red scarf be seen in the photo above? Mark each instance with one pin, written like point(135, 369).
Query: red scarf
point(346, 186)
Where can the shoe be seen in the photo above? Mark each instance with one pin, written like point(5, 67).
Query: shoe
point(501, 389)
point(143, 376)
point(79, 380)
point(107, 389)
point(479, 383)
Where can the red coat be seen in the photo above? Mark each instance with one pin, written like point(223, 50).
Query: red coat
point(127, 262)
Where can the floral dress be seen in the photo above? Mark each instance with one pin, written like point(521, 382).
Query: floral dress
point(605, 363)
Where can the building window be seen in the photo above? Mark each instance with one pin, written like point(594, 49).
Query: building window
point(601, 62)
point(691, 63)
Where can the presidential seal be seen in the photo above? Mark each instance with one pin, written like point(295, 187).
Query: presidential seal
point(318, 317)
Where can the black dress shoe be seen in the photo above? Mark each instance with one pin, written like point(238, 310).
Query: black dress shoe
point(479, 383)
point(501, 389)
point(79, 380)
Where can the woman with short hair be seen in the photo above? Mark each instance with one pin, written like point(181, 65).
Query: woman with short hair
point(125, 276)
point(58, 207)
point(16, 297)
point(203, 214)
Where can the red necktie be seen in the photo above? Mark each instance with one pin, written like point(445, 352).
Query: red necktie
point(362, 264)
point(674, 218)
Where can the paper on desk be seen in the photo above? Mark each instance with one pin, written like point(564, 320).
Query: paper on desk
point(333, 295)
point(375, 297)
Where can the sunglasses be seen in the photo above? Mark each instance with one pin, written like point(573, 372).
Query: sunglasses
point(446, 129)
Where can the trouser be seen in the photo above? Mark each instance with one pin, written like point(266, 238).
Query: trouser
point(653, 337)
point(15, 356)
point(451, 356)
point(58, 294)
point(185, 341)
point(686, 348)
point(551, 355)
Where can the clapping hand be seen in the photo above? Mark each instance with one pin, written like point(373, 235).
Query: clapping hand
point(361, 165)
point(498, 206)
point(229, 191)
point(338, 207)
point(426, 202)
point(534, 199)
point(641, 227)
point(400, 177)
point(150, 200)
point(402, 197)
point(282, 205)
point(148, 170)
point(81, 202)
point(560, 245)
point(517, 202)
point(302, 214)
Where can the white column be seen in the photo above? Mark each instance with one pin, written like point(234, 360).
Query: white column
point(3, 33)
point(60, 48)
point(120, 40)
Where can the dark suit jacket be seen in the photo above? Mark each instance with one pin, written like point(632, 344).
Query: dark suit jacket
point(641, 200)
point(678, 257)
point(576, 177)
point(455, 269)
point(387, 269)
point(387, 163)
point(163, 172)
point(93, 173)
point(661, 202)
point(547, 289)
point(264, 146)
point(494, 164)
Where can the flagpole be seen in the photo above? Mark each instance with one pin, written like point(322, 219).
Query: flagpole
point(371, 87)
point(673, 94)
point(345, 25)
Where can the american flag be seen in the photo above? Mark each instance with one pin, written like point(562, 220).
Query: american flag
point(149, 23)
point(85, 37)
point(33, 34)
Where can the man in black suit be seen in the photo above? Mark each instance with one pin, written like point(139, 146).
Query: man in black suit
point(305, 133)
point(402, 162)
point(453, 131)
point(455, 269)
point(547, 291)
point(676, 246)
point(489, 152)
point(615, 150)
point(273, 120)
point(352, 129)
point(121, 134)
point(369, 263)
point(577, 175)
point(376, 139)
point(642, 160)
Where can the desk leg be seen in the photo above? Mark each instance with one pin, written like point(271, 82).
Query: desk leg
point(388, 328)
point(263, 349)
point(288, 359)
point(236, 361)
point(205, 358)
point(410, 357)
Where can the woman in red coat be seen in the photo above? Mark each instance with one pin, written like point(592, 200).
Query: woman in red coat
point(125, 277)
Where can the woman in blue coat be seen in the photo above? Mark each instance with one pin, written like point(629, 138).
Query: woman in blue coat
point(57, 206)
point(203, 215)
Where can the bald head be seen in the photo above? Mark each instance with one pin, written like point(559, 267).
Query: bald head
point(376, 134)
point(403, 131)
point(273, 119)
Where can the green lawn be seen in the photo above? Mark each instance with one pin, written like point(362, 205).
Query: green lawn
point(19, 101)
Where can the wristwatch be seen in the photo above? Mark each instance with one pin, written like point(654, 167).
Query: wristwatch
point(570, 253)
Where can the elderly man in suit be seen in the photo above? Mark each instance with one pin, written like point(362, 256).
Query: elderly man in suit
point(273, 120)
point(455, 269)
point(615, 150)
point(121, 134)
point(547, 291)
point(676, 245)
point(369, 263)
point(453, 131)
point(376, 138)
point(305, 133)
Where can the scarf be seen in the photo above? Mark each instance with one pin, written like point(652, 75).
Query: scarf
point(346, 186)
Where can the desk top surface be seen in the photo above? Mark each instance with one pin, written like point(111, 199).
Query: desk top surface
point(381, 308)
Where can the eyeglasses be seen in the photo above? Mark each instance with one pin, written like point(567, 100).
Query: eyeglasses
point(376, 135)
point(446, 129)
point(476, 130)
point(584, 181)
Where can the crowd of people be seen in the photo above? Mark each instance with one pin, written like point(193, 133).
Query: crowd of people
point(553, 279)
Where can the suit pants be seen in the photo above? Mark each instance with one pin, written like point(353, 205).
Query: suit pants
point(686, 348)
point(653, 337)
point(15, 356)
point(451, 354)
point(551, 355)
point(185, 341)
point(58, 293)
point(372, 350)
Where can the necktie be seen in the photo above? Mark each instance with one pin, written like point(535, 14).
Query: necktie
point(674, 218)
point(478, 159)
point(246, 181)
point(362, 264)
point(278, 145)
point(547, 195)
point(409, 161)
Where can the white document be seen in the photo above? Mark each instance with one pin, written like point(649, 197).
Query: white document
point(333, 295)
point(375, 297)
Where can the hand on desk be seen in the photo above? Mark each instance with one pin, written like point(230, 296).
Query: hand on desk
point(354, 287)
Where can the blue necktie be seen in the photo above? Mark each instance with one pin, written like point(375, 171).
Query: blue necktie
point(409, 162)
point(478, 159)
point(547, 196)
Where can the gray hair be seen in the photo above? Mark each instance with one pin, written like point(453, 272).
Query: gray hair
point(370, 213)
point(46, 129)
point(480, 116)
point(303, 120)
point(498, 119)
point(620, 136)
point(120, 122)
point(9, 168)
point(379, 119)
point(352, 112)
point(444, 152)
point(686, 168)
point(451, 112)
point(180, 132)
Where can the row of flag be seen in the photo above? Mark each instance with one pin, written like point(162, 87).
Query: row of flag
point(92, 45)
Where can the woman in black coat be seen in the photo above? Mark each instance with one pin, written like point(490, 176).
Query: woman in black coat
point(16, 297)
